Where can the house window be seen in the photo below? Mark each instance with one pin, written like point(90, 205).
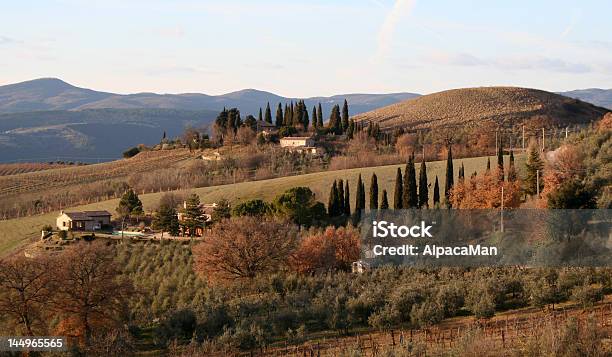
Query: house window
point(64, 223)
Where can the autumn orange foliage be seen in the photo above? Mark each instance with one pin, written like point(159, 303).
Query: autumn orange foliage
point(332, 249)
point(484, 191)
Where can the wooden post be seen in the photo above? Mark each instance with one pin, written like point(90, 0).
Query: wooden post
point(543, 140)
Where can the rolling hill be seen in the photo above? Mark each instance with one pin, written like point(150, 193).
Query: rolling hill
point(15, 233)
point(504, 106)
point(55, 94)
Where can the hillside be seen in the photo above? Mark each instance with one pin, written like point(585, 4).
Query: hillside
point(600, 97)
point(504, 106)
point(90, 135)
point(55, 94)
point(14, 233)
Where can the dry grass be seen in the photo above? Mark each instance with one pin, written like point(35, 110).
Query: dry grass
point(20, 168)
point(15, 233)
point(505, 106)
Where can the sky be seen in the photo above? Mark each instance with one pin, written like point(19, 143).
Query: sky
point(303, 48)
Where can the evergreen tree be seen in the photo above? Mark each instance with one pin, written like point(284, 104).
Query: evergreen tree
point(347, 199)
point(384, 204)
point(462, 173)
point(358, 206)
point(436, 193)
point(287, 118)
point(193, 214)
point(488, 170)
point(279, 116)
point(315, 121)
point(268, 114)
point(305, 119)
point(500, 161)
point(423, 189)
point(221, 211)
point(410, 198)
point(450, 179)
point(374, 192)
point(511, 169)
point(320, 117)
point(260, 117)
point(334, 123)
point(351, 129)
point(533, 165)
point(130, 205)
point(397, 198)
point(363, 195)
point(340, 198)
point(166, 220)
point(345, 116)
point(332, 205)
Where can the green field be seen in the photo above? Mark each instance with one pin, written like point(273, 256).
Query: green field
point(15, 233)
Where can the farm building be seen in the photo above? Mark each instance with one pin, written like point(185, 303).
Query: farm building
point(304, 144)
point(206, 209)
point(265, 127)
point(83, 221)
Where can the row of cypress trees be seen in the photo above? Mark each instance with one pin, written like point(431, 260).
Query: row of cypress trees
point(296, 114)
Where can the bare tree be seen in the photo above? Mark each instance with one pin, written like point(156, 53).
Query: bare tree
point(240, 248)
point(88, 289)
point(24, 290)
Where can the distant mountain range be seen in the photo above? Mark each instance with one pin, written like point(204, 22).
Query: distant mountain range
point(600, 97)
point(55, 94)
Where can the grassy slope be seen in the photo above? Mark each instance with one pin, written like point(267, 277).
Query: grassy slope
point(15, 233)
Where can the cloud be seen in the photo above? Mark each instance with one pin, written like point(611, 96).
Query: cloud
point(385, 34)
point(508, 63)
point(7, 40)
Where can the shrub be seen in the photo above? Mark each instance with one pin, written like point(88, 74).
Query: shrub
point(587, 295)
point(131, 152)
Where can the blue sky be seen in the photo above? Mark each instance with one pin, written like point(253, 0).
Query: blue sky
point(307, 47)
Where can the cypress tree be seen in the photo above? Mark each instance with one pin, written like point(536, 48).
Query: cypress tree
point(397, 198)
point(315, 122)
point(374, 192)
point(533, 165)
point(413, 198)
point(345, 116)
point(347, 199)
point(334, 123)
point(436, 193)
point(500, 161)
point(423, 189)
point(384, 204)
point(358, 206)
point(351, 129)
point(511, 169)
point(286, 119)
point(332, 207)
point(320, 117)
point(488, 170)
point(462, 173)
point(279, 116)
point(305, 119)
point(362, 196)
point(268, 114)
point(450, 180)
point(340, 198)
point(260, 117)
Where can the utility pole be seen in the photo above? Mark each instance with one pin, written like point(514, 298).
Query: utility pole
point(523, 137)
point(502, 210)
point(496, 147)
point(542, 139)
point(566, 132)
point(538, 182)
